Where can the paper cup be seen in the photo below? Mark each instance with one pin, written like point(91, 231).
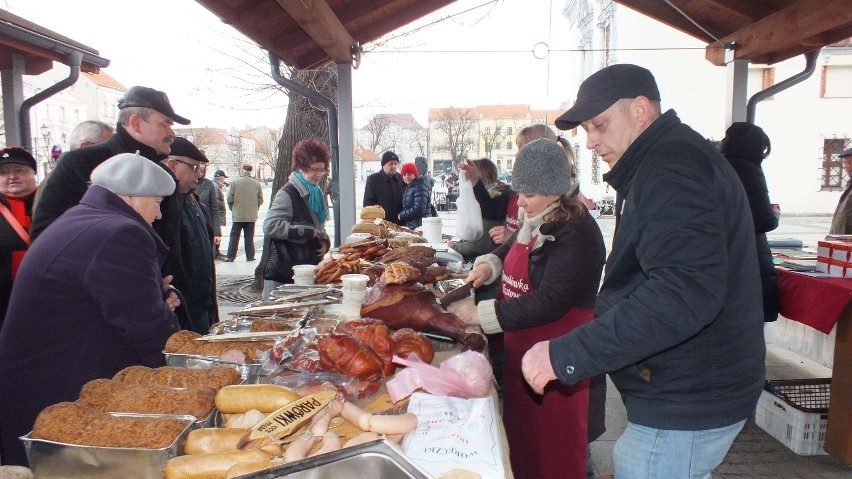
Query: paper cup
point(303, 274)
point(354, 282)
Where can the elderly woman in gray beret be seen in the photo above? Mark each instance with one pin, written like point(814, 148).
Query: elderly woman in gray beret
point(89, 299)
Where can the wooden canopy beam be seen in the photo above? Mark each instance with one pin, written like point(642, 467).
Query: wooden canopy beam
point(791, 29)
point(318, 20)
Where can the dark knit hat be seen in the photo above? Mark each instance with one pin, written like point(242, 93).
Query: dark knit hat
point(409, 168)
point(845, 153)
point(542, 167)
point(16, 154)
point(184, 147)
point(140, 96)
point(389, 156)
point(132, 175)
point(605, 87)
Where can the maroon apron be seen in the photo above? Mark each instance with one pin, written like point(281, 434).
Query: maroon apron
point(547, 434)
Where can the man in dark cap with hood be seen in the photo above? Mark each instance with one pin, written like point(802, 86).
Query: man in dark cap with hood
point(679, 321)
point(385, 187)
point(145, 120)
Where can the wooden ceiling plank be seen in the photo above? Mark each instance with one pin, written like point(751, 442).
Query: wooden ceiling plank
point(319, 21)
point(747, 10)
point(784, 29)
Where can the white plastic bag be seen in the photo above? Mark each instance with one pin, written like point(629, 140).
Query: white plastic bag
point(469, 220)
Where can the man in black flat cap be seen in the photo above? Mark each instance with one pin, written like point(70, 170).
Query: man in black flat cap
point(679, 320)
point(841, 222)
point(385, 187)
point(145, 120)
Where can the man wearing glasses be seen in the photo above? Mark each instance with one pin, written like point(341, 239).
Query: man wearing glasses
point(244, 198)
point(187, 164)
point(145, 120)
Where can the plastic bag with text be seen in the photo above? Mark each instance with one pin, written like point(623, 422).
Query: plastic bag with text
point(469, 220)
point(455, 433)
point(466, 374)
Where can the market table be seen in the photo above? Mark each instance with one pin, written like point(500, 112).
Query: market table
point(821, 303)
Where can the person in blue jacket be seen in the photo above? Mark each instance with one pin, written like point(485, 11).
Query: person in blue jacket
point(416, 199)
point(679, 317)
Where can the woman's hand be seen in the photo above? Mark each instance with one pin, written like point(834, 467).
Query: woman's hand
point(323, 249)
point(468, 314)
point(500, 234)
point(470, 171)
point(171, 299)
point(479, 275)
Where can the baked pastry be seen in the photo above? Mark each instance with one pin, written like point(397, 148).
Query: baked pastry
point(73, 423)
point(421, 254)
point(216, 377)
point(398, 273)
point(370, 228)
point(114, 396)
point(183, 342)
point(374, 212)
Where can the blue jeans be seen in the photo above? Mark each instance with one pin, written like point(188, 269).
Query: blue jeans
point(648, 453)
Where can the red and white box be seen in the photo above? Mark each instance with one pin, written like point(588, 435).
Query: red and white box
point(835, 258)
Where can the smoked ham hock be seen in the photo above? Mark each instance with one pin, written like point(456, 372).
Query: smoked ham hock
point(411, 305)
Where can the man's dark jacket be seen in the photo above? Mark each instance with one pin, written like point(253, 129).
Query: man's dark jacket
point(69, 181)
point(386, 191)
point(679, 323)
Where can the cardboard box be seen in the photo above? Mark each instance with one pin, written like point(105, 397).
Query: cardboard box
point(837, 269)
point(836, 250)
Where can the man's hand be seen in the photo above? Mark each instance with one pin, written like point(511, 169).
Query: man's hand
point(217, 240)
point(500, 234)
point(537, 368)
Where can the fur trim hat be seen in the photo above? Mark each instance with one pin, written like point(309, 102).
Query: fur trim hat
point(389, 156)
point(542, 167)
point(16, 154)
point(129, 174)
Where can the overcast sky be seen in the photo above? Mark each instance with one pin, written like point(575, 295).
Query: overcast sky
point(478, 56)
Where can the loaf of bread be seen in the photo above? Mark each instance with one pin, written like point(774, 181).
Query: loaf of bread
point(184, 342)
point(370, 228)
point(372, 213)
point(73, 423)
point(216, 377)
point(113, 396)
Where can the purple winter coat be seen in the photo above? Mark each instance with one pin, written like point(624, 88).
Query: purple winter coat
point(87, 302)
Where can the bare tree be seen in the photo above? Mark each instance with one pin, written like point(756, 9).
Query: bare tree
point(458, 128)
point(491, 136)
point(419, 141)
point(266, 151)
point(376, 127)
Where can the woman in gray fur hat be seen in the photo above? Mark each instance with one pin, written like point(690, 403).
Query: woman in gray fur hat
point(549, 273)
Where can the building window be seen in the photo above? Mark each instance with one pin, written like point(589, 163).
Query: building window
point(497, 145)
point(509, 165)
point(62, 113)
point(509, 145)
point(487, 130)
point(508, 130)
point(836, 81)
point(832, 166)
point(596, 169)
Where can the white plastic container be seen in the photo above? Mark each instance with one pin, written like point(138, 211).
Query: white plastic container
point(802, 432)
point(432, 229)
point(303, 274)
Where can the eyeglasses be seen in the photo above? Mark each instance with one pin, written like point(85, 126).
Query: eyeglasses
point(194, 167)
point(318, 171)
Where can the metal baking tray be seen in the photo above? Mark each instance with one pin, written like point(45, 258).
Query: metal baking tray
point(249, 372)
point(373, 459)
point(49, 459)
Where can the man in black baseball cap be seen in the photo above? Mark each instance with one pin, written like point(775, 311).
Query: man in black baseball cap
point(682, 286)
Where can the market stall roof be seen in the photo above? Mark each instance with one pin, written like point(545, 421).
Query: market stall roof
point(311, 33)
point(41, 47)
point(764, 31)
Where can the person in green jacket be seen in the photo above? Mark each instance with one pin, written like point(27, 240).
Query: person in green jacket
point(244, 198)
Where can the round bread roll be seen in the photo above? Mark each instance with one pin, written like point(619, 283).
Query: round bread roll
point(373, 212)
